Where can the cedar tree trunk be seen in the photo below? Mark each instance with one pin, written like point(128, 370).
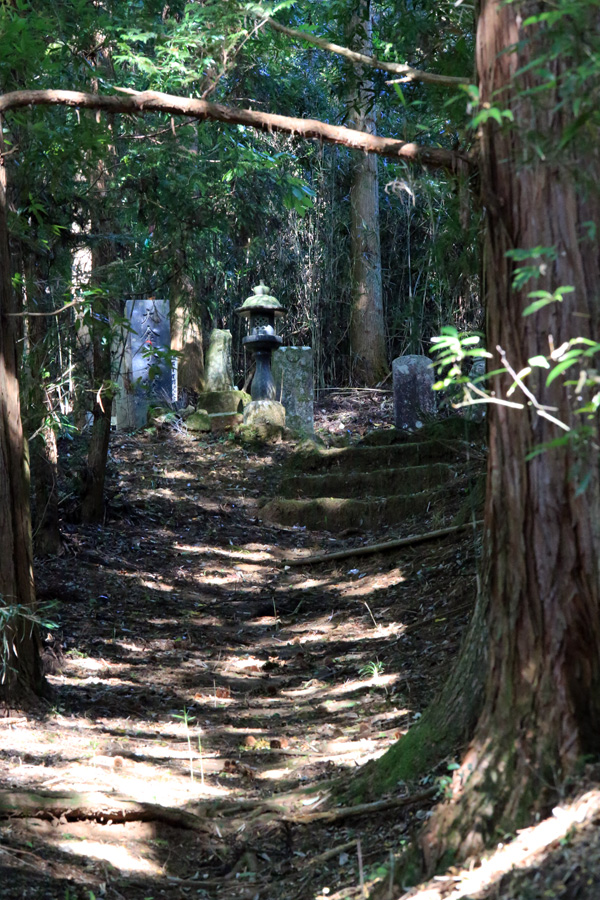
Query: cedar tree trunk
point(367, 324)
point(540, 579)
point(20, 665)
point(186, 334)
point(103, 253)
point(43, 449)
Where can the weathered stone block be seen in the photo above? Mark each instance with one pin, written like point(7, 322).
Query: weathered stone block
point(413, 390)
point(225, 421)
point(292, 369)
point(218, 374)
point(223, 401)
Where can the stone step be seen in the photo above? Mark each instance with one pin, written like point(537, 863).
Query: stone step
point(361, 458)
point(376, 483)
point(337, 514)
point(453, 428)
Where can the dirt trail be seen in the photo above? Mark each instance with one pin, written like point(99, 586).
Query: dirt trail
point(193, 671)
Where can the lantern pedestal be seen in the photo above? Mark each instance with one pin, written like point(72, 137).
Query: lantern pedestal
point(264, 420)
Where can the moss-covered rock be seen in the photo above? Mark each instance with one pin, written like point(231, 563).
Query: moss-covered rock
point(260, 433)
point(198, 421)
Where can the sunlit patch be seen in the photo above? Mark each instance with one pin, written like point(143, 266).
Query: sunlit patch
point(118, 856)
point(156, 585)
point(273, 774)
point(237, 553)
point(348, 687)
point(250, 663)
point(88, 664)
point(527, 851)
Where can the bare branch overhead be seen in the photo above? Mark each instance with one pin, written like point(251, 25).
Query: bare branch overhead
point(407, 72)
point(136, 102)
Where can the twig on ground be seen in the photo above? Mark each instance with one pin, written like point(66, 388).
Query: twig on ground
point(363, 809)
point(367, 549)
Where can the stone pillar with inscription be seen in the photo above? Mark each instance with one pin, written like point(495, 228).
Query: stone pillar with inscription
point(292, 369)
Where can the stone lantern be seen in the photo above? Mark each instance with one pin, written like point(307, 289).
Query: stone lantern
point(262, 310)
point(264, 416)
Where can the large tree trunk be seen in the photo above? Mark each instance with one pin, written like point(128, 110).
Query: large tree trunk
point(20, 665)
point(542, 527)
point(43, 449)
point(103, 253)
point(186, 334)
point(368, 350)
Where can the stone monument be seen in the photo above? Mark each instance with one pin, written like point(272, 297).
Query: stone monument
point(218, 372)
point(292, 369)
point(220, 398)
point(145, 376)
point(413, 390)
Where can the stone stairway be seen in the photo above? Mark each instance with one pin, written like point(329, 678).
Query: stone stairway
point(388, 479)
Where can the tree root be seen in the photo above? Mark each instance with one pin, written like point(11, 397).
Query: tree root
point(73, 807)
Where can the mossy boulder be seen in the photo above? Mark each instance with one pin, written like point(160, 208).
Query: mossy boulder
point(260, 433)
point(198, 421)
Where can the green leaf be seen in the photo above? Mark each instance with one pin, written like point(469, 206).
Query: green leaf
point(558, 369)
point(538, 304)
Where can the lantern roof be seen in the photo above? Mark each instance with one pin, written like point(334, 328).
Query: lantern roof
point(260, 300)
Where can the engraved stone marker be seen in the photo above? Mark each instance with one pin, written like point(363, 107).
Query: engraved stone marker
point(292, 369)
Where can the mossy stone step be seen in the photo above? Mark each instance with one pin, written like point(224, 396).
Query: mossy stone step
point(339, 513)
point(376, 483)
point(364, 459)
point(453, 428)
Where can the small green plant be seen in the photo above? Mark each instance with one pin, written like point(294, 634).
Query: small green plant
point(15, 620)
point(445, 781)
point(372, 669)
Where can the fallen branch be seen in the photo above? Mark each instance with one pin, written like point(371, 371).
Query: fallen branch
point(138, 102)
point(92, 807)
point(329, 854)
point(368, 549)
point(363, 809)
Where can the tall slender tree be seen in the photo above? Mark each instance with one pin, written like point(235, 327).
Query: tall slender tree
point(368, 362)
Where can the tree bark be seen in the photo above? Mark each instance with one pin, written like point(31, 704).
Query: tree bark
point(20, 664)
point(367, 324)
point(540, 579)
point(43, 450)
point(186, 334)
point(92, 500)
point(103, 253)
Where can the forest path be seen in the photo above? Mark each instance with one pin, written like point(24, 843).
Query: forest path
point(193, 671)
